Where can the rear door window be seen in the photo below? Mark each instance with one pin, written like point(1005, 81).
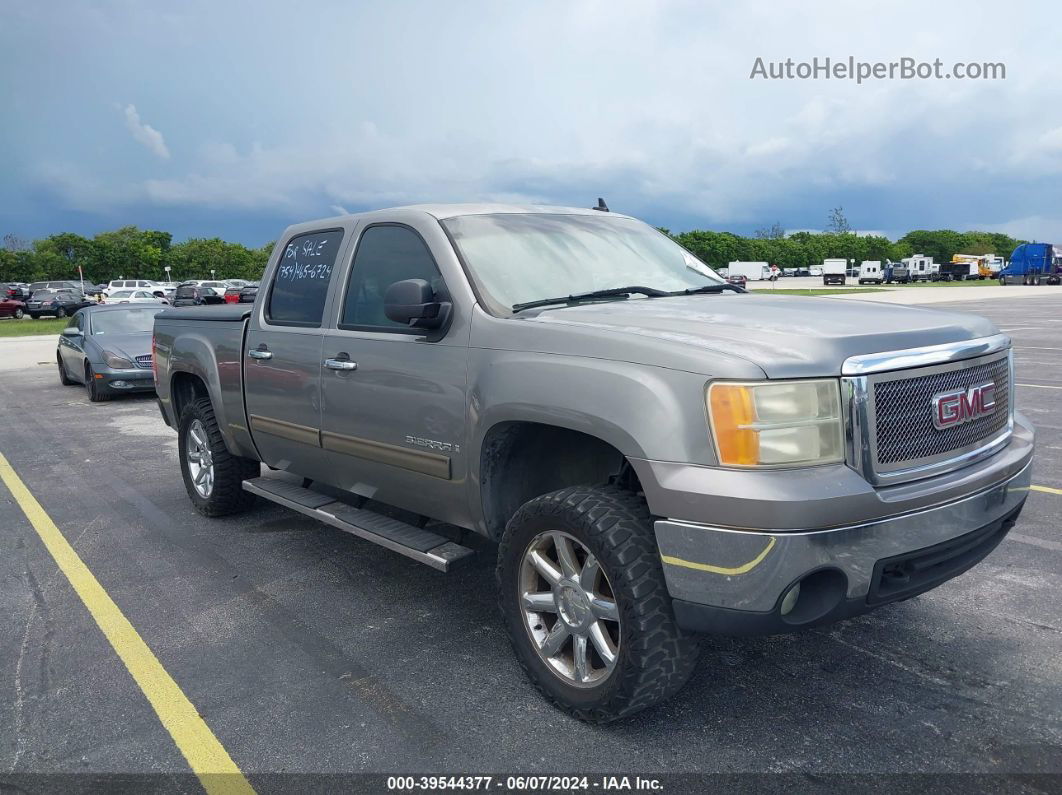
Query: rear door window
point(300, 282)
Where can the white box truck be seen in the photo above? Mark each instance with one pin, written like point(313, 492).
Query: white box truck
point(833, 271)
point(753, 271)
point(870, 272)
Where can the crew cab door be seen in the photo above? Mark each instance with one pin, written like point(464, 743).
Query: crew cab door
point(282, 353)
point(393, 397)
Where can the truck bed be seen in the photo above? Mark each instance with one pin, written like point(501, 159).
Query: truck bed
point(226, 313)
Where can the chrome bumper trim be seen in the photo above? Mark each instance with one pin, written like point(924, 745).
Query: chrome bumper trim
point(750, 570)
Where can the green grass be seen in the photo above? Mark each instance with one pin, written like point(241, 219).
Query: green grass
point(27, 327)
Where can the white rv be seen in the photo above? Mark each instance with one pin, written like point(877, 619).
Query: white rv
point(834, 271)
point(920, 268)
point(753, 271)
point(870, 271)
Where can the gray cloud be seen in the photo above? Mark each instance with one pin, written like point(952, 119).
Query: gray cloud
point(649, 105)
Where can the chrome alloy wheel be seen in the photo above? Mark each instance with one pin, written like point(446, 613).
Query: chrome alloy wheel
point(200, 461)
point(569, 609)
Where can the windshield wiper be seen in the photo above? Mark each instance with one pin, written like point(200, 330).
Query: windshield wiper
point(710, 288)
point(612, 292)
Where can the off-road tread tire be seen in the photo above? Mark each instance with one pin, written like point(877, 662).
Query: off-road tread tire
point(656, 657)
point(228, 496)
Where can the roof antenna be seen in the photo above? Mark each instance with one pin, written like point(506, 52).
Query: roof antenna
point(600, 205)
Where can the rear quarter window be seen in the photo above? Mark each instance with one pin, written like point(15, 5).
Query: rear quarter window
point(300, 282)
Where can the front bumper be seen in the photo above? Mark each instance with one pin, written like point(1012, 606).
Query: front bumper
point(732, 581)
point(124, 381)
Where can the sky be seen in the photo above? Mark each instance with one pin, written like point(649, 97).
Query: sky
point(235, 119)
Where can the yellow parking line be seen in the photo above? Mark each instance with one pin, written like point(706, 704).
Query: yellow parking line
point(1045, 489)
point(205, 754)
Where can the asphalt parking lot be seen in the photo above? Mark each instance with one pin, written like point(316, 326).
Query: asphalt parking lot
point(310, 651)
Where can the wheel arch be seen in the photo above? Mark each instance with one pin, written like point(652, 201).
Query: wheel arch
point(523, 459)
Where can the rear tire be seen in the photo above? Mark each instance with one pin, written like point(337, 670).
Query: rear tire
point(198, 435)
point(651, 658)
point(64, 379)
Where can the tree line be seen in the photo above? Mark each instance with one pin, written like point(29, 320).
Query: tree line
point(805, 249)
point(128, 253)
point(133, 253)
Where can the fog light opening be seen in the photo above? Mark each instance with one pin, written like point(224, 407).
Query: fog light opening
point(790, 599)
point(813, 597)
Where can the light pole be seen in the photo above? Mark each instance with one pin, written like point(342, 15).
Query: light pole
point(167, 269)
point(211, 274)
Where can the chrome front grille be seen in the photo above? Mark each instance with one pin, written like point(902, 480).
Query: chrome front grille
point(889, 411)
point(143, 361)
point(903, 413)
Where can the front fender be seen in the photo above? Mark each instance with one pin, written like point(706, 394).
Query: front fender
point(644, 412)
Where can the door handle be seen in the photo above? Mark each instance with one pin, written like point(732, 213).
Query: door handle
point(257, 354)
point(340, 364)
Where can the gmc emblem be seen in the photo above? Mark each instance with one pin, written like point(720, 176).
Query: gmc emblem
point(963, 405)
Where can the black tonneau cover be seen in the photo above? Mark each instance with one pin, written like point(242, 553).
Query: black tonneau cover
point(223, 313)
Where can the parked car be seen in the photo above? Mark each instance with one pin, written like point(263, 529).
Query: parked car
point(654, 460)
point(128, 284)
point(12, 307)
point(18, 292)
point(135, 297)
point(232, 295)
point(58, 285)
point(194, 295)
point(739, 279)
point(248, 294)
point(58, 303)
point(108, 349)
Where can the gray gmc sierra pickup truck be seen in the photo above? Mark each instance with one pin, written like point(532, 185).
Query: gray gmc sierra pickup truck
point(656, 453)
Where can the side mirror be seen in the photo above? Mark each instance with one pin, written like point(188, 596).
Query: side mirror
point(71, 331)
point(414, 303)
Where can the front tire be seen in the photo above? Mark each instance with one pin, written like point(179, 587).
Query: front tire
point(19, 314)
point(61, 312)
point(582, 593)
point(213, 477)
point(96, 393)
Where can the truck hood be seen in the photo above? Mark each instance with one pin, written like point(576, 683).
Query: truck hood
point(785, 336)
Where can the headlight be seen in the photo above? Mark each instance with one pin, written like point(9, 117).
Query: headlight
point(776, 423)
point(117, 362)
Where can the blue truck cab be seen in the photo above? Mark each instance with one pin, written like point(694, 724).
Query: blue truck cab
point(1032, 262)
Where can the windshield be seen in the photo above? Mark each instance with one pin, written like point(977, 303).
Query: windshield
point(515, 258)
point(127, 321)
